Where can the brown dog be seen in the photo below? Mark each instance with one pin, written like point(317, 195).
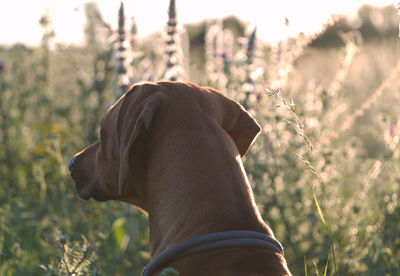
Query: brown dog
point(174, 150)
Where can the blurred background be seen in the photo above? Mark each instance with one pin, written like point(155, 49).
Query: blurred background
point(321, 77)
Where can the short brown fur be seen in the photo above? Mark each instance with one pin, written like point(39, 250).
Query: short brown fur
point(174, 150)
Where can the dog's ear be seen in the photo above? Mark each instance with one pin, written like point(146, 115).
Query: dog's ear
point(134, 119)
point(239, 124)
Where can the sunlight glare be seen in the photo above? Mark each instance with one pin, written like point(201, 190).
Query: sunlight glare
point(68, 16)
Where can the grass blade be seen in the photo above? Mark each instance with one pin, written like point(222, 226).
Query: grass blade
point(326, 266)
point(321, 215)
point(305, 266)
point(327, 228)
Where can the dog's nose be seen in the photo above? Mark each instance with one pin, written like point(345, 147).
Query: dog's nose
point(71, 163)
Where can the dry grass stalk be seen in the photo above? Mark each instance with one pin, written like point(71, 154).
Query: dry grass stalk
point(297, 125)
point(286, 52)
point(350, 50)
point(350, 119)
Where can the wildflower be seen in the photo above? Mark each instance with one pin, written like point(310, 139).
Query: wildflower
point(251, 46)
point(224, 55)
point(173, 49)
point(393, 129)
point(258, 97)
point(133, 30)
point(2, 65)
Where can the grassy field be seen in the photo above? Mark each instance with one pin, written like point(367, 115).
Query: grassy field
point(325, 171)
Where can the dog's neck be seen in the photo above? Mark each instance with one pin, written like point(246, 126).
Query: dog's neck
point(201, 188)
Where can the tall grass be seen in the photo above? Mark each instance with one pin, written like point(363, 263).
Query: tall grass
point(325, 171)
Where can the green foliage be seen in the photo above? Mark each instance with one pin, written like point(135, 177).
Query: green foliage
point(325, 170)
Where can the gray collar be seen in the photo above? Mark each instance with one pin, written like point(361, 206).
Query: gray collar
point(214, 241)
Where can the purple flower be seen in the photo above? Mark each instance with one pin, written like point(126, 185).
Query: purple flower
point(2, 65)
point(224, 55)
point(393, 129)
point(133, 41)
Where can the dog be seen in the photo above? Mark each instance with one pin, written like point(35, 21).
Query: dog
point(174, 149)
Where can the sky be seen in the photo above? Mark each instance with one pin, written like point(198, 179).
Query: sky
point(19, 18)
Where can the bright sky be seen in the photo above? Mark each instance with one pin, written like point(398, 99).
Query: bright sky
point(19, 18)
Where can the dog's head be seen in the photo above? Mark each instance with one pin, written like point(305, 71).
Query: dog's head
point(115, 167)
